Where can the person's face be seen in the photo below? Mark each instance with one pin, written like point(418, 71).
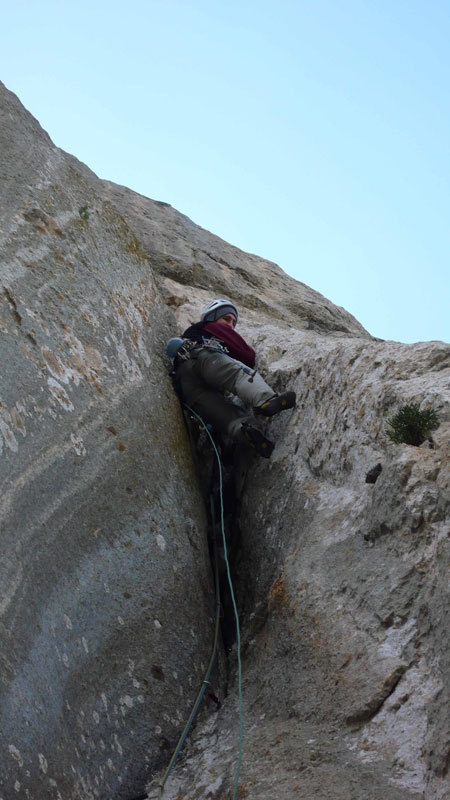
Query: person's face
point(228, 319)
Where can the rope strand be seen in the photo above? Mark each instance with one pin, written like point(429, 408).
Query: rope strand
point(205, 682)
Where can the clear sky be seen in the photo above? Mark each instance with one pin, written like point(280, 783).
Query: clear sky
point(314, 133)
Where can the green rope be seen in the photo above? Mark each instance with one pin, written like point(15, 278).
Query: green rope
point(196, 705)
point(233, 600)
point(199, 698)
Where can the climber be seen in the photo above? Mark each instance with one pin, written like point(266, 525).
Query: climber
point(212, 360)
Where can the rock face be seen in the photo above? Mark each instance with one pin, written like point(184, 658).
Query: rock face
point(107, 602)
point(102, 524)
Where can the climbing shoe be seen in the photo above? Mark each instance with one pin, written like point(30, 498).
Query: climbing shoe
point(264, 447)
point(278, 403)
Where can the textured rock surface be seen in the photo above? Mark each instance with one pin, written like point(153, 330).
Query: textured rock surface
point(106, 591)
point(184, 253)
point(343, 587)
point(102, 524)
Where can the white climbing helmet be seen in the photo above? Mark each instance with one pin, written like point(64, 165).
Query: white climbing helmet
point(216, 309)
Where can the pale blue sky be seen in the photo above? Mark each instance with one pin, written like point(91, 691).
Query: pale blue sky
point(312, 133)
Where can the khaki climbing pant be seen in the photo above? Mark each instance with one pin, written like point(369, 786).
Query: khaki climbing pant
point(205, 378)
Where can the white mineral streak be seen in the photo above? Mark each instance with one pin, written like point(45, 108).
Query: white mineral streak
point(8, 436)
point(43, 764)
point(60, 371)
point(15, 754)
point(60, 394)
point(78, 444)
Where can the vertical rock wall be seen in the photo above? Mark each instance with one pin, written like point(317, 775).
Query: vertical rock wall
point(350, 575)
point(343, 585)
point(104, 575)
point(106, 598)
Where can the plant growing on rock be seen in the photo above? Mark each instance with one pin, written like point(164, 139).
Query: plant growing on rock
point(410, 425)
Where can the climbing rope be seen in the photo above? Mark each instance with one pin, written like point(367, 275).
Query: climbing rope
point(202, 690)
point(216, 634)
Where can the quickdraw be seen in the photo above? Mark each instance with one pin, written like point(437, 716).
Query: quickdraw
point(184, 351)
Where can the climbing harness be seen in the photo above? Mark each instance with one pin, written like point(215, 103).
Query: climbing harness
point(205, 681)
point(178, 349)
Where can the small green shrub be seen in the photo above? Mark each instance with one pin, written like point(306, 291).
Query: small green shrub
point(410, 425)
point(84, 213)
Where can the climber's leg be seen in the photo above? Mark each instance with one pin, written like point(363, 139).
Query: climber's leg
point(225, 416)
point(226, 374)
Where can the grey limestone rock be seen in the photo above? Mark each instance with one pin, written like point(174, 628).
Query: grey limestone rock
point(106, 589)
point(107, 598)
